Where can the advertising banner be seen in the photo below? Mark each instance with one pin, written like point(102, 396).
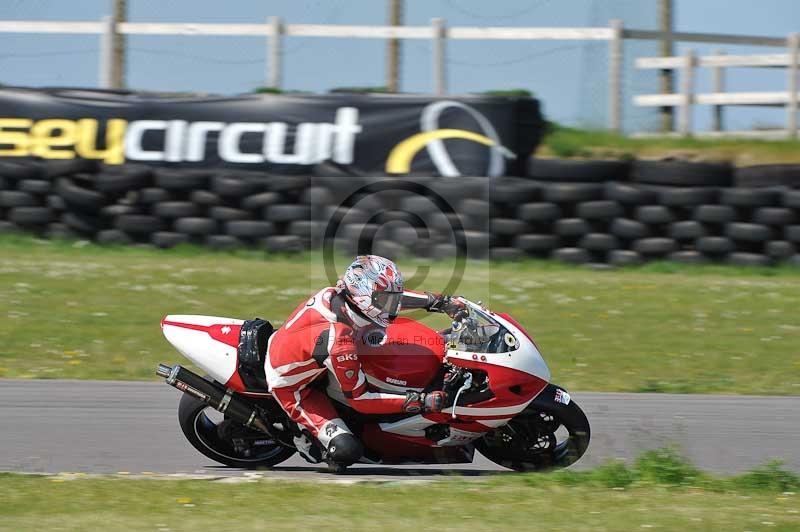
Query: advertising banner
point(369, 133)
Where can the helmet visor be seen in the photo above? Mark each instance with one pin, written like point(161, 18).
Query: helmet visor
point(388, 302)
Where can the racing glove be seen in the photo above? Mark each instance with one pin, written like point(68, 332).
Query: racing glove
point(418, 402)
point(447, 304)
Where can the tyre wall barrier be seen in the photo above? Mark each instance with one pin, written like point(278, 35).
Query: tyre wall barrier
point(574, 211)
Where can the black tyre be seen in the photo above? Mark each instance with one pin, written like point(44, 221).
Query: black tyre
point(750, 197)
point(774, 216)
point(792, 233)
point(681, 173)
point(780, 249)
point(548, 434)
point(768, 175)
point(599, 210)
point(624, 257)
point(318, 196)
point(572, 192)
point(654, 214)
point(687, 230)
point(791, 198)
point(139, 224)
point(31, 216)
point(630, 194)
point(250, 228)
point(124, 181)
point(16, 198)
point(714, 245)
point(34, 186)
point(214, 439)
point(687, 196)
point(152, 195)
point(204, 198)
point(513, 190)
point(176, 209)
point(536, 243)
point(747, 232)
point(79, 197)
point(599, 242)
point(507, 226)
point(172, 179)
point(231, 186)
point(229, 214)
point(287, 213)
point(655, 246)
point(196, 226)
point(572, 227)
point(539, 212)
point(714, 214)
point(572, 170)
point(629, 229)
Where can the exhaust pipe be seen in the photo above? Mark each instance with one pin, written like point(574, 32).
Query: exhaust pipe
point(214, 395)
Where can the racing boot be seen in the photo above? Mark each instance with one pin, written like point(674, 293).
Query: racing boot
point(306, 446)
point(343, 451)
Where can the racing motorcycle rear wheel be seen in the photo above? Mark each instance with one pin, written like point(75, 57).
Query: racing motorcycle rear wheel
point(547, 435)
point(226, 441)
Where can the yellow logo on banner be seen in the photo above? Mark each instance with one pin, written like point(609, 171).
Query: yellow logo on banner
point(399, 160)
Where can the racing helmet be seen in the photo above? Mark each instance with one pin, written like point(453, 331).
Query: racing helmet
point(373, 286)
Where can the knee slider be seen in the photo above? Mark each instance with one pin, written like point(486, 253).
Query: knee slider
point(345, 449)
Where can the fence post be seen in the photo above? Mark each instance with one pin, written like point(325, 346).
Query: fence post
point(615, 77)
point(274, 44)
point(107, 52)
point(794, 52)
point(687, 82)
point(718, 82)
point(438, 36)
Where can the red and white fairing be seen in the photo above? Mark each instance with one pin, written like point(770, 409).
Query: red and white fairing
point(408, 358)
point(208, 341)
point(516, 377)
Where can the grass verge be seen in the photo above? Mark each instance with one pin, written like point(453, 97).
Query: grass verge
point(78, 310)
point(659, 491)
point(569, 142)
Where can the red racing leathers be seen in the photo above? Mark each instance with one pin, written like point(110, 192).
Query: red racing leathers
point(319, 337)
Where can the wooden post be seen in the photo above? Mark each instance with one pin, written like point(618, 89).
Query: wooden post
point(107, 53)
point(666, 76)
point(438, 35)
point(615, 46)
point(687, 82)
point(718, 83)
point(118, 62)
point(274, 67)
point(393, 47)
point(791, 108)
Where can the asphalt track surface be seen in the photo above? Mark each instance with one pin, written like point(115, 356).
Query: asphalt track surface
point(111, 427)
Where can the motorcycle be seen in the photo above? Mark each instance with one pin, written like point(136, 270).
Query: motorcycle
point(503, 403)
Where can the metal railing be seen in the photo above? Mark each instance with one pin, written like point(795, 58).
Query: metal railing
point(273, 30)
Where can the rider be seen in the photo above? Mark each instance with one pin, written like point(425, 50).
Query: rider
point(319, 338)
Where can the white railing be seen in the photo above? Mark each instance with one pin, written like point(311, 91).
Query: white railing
point(719, 97)
point(273, 30)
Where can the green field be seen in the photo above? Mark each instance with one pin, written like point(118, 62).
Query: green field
point(660, 491)
point(77, 310)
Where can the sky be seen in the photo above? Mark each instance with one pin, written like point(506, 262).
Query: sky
point(569, 77)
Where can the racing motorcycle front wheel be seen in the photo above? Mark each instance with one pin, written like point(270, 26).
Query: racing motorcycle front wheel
point(227, 441)
point(551, 433)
